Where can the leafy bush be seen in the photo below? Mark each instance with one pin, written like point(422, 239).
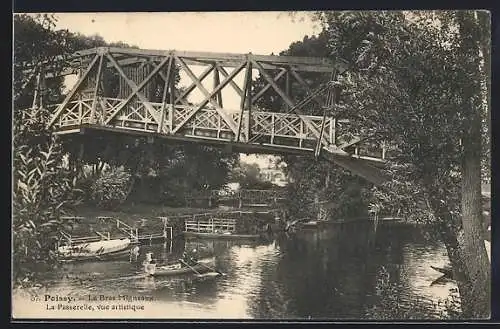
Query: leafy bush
point(111, 188)
point(43, 191)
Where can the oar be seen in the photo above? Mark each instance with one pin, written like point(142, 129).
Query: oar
point(212, 269)
point(195, 271)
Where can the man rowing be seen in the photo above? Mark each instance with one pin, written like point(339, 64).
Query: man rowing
point(189, 258)
point(149, 263)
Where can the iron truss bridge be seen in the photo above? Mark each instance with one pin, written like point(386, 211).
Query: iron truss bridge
point(133, 91)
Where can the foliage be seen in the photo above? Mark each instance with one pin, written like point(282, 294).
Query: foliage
point(43, 187)
point(249, 176)
point(110, 188)
point(417, 81)
point(392, 307)
point(43, 192)
point(163, 173)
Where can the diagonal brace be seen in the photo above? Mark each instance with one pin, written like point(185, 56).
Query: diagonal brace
point(235, 86)
point(193, 85)
point(306, 87)
point(290, 103)
point(263, 90)
point(208, 96)
point(73, 91)
point(135, 88)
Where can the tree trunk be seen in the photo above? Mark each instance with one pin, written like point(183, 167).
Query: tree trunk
point(474, 304)
point(474, 251)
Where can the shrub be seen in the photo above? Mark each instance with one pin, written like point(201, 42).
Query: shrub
point(111, 187)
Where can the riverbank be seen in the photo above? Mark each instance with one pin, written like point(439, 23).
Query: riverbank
point(135, 212)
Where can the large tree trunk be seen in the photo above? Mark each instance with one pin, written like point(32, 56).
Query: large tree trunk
point(474, 251)
point(469, 272)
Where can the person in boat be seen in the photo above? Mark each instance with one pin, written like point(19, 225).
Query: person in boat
point(134, 253)
point(149, 259)
point(189, 258)
point(149, 263)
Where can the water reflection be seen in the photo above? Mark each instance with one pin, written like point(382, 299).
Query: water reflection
point(345, 272)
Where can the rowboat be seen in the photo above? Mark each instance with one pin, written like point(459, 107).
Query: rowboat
point(94, 250)
point(177, 269)
point(226, 235)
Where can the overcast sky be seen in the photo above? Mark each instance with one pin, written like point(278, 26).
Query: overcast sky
point(237, 32)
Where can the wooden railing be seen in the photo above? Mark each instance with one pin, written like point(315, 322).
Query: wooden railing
point(210, 225)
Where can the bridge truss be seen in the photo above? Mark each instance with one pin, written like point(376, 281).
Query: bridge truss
point(145, 101)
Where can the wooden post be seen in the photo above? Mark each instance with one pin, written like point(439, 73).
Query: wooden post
point(249, 102)
point(245, 97)
point(218, 96)
point(171, 238)
point(167, 86)
point(96, 88)
point(287, 86)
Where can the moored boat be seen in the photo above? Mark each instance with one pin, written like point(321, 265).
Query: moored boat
point(203, 266)
point(226, 235)
point(95, 250)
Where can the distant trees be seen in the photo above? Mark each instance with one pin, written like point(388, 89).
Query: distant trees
point(249, 176)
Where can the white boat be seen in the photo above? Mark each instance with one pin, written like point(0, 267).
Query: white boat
point(94, 249)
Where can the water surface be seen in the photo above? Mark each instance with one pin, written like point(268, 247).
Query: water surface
point(349, 271)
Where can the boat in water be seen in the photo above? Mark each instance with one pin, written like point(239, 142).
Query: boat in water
point(225, 235)
point(95, 250)
point(203, 266)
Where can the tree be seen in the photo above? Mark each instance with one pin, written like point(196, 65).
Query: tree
point(249, 176)
point(43, 188)
point(417, 80)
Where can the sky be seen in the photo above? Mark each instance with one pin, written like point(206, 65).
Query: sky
point(261, 33)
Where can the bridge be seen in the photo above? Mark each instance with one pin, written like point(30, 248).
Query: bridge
point(146, 103)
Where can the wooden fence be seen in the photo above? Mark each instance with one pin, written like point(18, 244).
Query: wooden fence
point(210, 225)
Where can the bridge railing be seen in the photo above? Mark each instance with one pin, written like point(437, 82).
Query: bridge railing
point(257, 127)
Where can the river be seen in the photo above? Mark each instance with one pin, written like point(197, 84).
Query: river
point(348, 271)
